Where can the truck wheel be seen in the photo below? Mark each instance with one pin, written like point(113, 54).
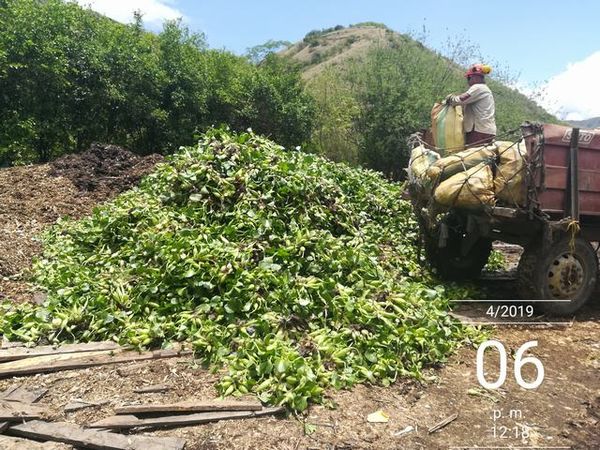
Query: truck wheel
point(448, 261)
point(558, 273)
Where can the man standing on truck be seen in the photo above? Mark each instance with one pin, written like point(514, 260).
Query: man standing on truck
point(478, 105)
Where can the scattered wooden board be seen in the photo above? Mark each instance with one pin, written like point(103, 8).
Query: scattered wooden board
point(498, 277)
point(16, 353)
point(130, 421)
point(35, 361)
point(470, 320)
point(102, 440)
point(191, 406)
point(14, 443)
point(17, 393)
point(16, 411)
point(9, 390)
point(152, 388)
point(8, 344)
point(87, 361)
point(76, 405)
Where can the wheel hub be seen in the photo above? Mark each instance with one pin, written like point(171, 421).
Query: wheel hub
point(565, 276)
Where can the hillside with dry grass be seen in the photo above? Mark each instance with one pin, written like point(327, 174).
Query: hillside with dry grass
point(319, 50)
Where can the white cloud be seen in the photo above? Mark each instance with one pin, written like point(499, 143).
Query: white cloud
point(575, 93)
point(154, 12)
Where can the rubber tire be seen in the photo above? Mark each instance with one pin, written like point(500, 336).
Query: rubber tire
point(532, 274)
point(448, 262)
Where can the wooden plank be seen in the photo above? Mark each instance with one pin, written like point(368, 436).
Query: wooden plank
point(89, 361)
point(9, 390)
point(75, 435)
point(23, 395)
point(8, 344)
point(17, 393)
point(152, 389)
point(130, 421)
point(76, 405)
point(47, 359)
point(504, 212)
point(11, 411)
point(16, 353)
point(15, 443)
point(191, 406)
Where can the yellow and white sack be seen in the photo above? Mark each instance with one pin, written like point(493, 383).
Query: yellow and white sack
point(461, 161)
point(421, 159)
point(447, 127)
point(509, 183)
point(471, 189)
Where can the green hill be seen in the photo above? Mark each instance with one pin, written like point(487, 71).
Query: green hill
point(374, 87)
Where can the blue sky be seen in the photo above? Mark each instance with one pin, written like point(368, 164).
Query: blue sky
point(555, 45)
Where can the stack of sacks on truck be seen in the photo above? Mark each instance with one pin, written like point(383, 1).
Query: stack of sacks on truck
point(474, 178)
point(465, 179)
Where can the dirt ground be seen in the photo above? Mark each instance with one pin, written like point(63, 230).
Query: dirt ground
point(34, 197)
point(564, 412)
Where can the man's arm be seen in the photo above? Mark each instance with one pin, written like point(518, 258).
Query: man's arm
point(472, 95)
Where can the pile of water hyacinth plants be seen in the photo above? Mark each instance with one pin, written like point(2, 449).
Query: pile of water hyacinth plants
point(293, 273)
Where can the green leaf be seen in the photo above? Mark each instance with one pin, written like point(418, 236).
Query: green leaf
point(371, 356)
point(281, 366)
point(309, 428)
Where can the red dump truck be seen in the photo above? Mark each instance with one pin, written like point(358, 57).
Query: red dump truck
point(556, 226)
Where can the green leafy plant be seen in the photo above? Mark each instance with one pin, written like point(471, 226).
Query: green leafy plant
point(296, 273)
point(496, 261)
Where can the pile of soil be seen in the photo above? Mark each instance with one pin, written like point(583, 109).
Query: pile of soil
point(35, 197)
point(104, 167)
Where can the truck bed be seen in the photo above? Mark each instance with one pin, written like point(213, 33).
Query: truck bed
point(552, 184)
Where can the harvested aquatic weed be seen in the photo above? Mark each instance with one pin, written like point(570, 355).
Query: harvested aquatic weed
point(297, 273)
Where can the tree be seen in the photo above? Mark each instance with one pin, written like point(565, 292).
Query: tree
point(258, 53)
point(336, 111)
point(69, 76)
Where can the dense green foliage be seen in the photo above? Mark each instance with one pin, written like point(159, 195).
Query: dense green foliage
point(299, 273)
point(259, 53)
point(312, 37)
point(69, 76)
point(372, 101)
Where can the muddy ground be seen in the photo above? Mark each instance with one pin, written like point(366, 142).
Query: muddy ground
point(564, 412)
